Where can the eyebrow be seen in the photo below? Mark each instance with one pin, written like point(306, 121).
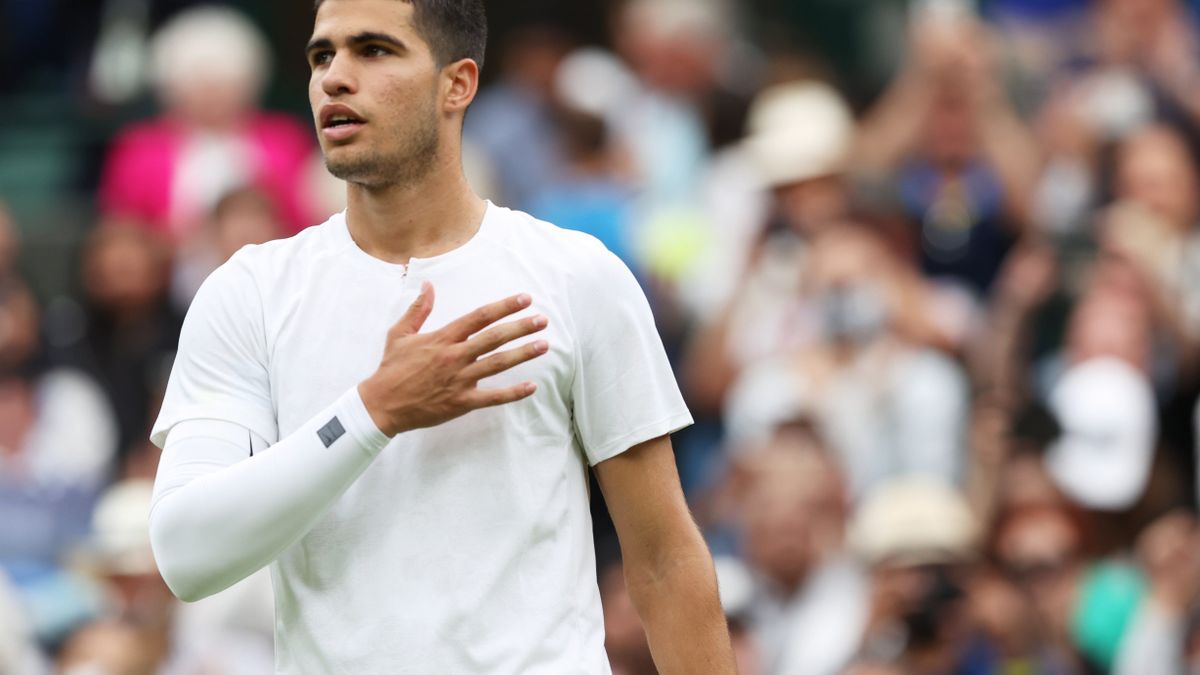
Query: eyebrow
point(357, 39)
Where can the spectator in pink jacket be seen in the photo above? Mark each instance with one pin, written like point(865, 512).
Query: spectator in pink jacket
point(208, 67)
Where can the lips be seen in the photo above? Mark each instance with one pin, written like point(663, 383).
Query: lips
point(339, 122)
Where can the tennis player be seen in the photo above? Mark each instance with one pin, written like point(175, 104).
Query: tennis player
point(396, 410)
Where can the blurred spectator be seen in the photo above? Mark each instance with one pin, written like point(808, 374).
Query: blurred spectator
point(919, 538)
point(1104, 400)
point(140, 610)
point(241, 217)
point(590, 194)
point(209, 65)
point(1137, 61)
point(1156, 644)
point(672, 47)
point(803, 166)
point(1041, 555)
point(1158, 186)
point(57, 443)
point(513, 122)
point(887, 404)
point(811, 603)
point(131, 330)
point(945, 136)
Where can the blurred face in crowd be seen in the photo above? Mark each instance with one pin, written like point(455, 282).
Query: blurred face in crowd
point(793, 513)
point(848, 282)
point(811, 205)
point(125, 271)
point(1039, 548)
point(382, 103)
point(672, 45)
point(532, 56)
point(951, 130)
point(212, 102)
point(1110, 323)
point(1155, 169)
point(1002, 611)
point(245, 217)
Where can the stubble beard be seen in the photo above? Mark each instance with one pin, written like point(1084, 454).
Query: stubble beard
point(413, 156)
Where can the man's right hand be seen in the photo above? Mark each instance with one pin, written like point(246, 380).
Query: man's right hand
point(425, 379)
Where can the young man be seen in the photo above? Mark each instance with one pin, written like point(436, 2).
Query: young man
point(306, 428)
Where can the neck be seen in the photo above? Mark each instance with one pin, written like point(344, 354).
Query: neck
point(424, 218)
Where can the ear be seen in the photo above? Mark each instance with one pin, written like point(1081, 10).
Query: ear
point(461, 82)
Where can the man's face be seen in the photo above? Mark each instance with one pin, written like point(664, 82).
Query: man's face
point(375, 92)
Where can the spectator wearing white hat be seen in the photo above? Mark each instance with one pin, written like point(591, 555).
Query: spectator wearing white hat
point(798, 142)
point(218, 635)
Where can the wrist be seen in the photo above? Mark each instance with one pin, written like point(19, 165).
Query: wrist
point(382, 422)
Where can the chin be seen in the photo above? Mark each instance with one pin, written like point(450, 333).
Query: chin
point(348, 165)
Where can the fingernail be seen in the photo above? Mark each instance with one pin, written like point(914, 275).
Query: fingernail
point(539, 322)
point(523, 300)
point(530, 387)
point(541, 346)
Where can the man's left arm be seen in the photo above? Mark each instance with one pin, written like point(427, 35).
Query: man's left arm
point(668, 569)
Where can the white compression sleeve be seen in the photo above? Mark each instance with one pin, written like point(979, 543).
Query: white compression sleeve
point(220, 514)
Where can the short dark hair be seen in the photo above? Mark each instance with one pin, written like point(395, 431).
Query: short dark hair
point(454, 29)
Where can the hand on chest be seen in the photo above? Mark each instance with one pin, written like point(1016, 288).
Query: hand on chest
point(330, 342)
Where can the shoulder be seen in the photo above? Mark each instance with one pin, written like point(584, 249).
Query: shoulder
point(577, 254)
point(260, 268)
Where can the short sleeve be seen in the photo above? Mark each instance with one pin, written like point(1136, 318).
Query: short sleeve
point(220, 370)
point(623, 392)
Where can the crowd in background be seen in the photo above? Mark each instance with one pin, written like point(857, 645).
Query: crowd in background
point(942, 343)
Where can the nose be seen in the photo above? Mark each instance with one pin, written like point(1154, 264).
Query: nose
point(339, 77)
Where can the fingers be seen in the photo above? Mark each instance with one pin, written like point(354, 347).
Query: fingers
point(467, 325)
point(417, 312)
point(493, 338)
point(498, 363)
point(487, 398)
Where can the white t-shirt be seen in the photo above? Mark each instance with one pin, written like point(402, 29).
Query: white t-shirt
point(464, 548)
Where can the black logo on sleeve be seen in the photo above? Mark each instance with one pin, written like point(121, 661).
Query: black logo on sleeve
point(332, 431)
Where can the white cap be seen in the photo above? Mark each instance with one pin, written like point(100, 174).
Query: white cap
point(594, 81)
point(799, 131)
point(1106, 410)
point(914, 520)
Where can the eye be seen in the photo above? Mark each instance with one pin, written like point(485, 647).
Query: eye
point(375, 50)
point(320, 58)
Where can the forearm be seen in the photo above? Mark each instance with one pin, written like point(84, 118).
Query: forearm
point(220, 514)
point(676, 597)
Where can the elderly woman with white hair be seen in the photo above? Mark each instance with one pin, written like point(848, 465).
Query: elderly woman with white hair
point(208, 67)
